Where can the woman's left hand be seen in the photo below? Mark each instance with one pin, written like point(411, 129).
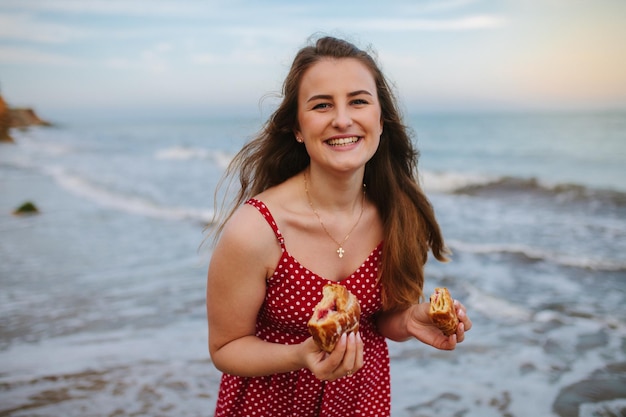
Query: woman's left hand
point(422, 328)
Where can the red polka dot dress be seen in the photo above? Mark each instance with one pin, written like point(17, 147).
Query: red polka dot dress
point(292, 293)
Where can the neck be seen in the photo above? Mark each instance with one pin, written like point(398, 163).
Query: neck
point(339, 217)
point(330, 193)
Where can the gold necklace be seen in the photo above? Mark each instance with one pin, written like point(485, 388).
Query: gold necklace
point(340, 251)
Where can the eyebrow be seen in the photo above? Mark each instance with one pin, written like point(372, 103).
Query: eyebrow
point(328, 96)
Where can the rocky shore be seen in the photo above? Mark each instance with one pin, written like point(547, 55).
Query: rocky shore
point(19, 118)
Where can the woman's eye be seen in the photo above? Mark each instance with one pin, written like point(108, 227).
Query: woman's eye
point(359, 101)
point(321, 106)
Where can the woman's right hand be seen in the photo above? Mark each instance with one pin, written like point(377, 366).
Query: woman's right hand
point(345, 360)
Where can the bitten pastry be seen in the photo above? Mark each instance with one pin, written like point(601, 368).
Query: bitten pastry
point(442, 311)
point(337, 313)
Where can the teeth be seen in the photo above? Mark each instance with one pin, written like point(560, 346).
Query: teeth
point(343, 141)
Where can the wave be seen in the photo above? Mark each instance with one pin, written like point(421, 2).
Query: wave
point(471, 184)
point(130, 204)
point(450, 182)
point(49, 148)
point(486, 303)
point(184, 153)
point(535, 254)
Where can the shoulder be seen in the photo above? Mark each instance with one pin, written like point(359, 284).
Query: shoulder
point(247, 236)
point(247, 227)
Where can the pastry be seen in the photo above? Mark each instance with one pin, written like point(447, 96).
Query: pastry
point(442, 311)
point(337, 313)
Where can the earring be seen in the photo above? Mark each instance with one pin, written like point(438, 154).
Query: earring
point(299, 139)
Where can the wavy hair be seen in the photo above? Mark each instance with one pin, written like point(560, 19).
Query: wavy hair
point(391, 175)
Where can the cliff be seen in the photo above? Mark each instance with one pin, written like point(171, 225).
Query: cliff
point(24, 117)
point(5, 122)
point(16, 118)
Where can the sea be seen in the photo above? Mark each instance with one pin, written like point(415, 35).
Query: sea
point(102, 294)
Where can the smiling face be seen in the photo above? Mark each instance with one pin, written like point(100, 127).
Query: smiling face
point(339, 115)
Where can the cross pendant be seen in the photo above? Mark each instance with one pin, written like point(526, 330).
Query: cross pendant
point(340, 251)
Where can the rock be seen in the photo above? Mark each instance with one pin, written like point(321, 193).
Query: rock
point(5, 122)
point(26, 208)
point(25, 117)
point(20, 118)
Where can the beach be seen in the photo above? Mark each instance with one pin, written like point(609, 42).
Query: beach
point(102, 305)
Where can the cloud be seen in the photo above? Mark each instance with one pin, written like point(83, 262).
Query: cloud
point(237, 57)
point(154, 59)
point(140, 8)
point(407, 24)
point(23, 26)
point(20, 55)
point(437, 6)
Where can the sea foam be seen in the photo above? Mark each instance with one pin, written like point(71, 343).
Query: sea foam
point(123, 202)
point(184, 153)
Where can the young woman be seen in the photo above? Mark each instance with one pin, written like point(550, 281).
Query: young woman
point(329, 193)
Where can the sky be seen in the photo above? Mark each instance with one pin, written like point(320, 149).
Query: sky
point(218, 57)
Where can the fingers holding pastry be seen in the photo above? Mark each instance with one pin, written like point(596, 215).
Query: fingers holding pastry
point(345, 359)
point(465, 323)
point(461, 313)
point(353, 358)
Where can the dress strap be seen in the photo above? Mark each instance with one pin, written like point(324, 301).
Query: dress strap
point(259, 205)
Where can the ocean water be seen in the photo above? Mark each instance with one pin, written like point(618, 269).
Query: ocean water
point(102, 294)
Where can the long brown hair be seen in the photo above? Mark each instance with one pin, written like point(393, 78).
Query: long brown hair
point(410, 226)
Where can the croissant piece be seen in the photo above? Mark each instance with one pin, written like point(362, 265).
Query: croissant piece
point(442, 311)
point(338, 312)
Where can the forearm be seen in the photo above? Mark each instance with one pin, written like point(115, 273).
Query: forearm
point(394, 325)
point(250, 356)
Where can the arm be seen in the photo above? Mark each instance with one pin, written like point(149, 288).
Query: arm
point(415, 322)
point(240, 264)
point(235, 293)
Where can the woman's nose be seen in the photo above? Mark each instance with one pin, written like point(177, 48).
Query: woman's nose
point(342, 118)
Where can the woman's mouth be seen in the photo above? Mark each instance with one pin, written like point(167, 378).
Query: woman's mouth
point(343, 141)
